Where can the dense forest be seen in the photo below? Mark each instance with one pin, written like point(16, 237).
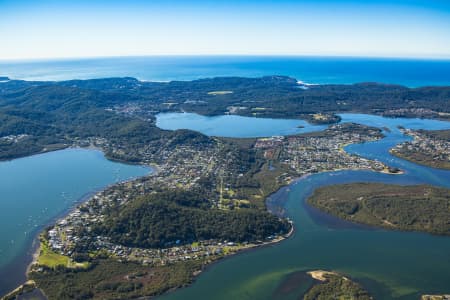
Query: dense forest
point(417, 207)
point(163, 219)
point(277, 96)
point(53, 117)
point(110, 279)
point(54, 114)
point(119, 114)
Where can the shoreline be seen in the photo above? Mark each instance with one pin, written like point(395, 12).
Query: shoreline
point(85, 198)
point(155, 169)
point(285, 237)
point(36, 243)
point(34, 252)
point(420, 163)
point(238, 252)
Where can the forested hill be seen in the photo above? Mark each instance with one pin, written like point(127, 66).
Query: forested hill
point(277, 96)
point(41, 116)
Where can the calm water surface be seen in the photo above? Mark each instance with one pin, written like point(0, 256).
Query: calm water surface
point(392, 265)
point(409, 72)
point(36, 189)
point(234, 126)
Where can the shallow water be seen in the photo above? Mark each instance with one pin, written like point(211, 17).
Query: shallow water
point(391, 264)
point(36, 189)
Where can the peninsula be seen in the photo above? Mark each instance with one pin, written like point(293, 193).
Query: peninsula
point(429, 148)
point(414, 208)
point(207, 198)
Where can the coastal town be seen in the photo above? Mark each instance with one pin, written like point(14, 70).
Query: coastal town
point(63, 240)
point(182, 167)
point(322, 152)
point(225, 150)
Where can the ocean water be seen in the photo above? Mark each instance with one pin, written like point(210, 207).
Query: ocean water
point(391, 264)
point(321, 70)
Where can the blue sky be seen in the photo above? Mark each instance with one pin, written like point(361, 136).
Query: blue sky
point(54, 29)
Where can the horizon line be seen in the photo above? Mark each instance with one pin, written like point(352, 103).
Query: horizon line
point(53, 58)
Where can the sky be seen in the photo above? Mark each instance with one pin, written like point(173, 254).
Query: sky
point(33, 29)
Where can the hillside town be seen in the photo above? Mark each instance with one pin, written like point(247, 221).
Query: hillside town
point(64, 240)
point(181, 168)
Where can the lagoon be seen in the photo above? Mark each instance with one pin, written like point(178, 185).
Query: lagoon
point(37, 189)
point(233, 125)
point(246, 127)
point(392, 265)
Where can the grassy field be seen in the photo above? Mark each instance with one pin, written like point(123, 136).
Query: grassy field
point(50, 259)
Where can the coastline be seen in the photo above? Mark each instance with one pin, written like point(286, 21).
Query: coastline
point(249, 248)
point(155, 170)
point(421, 163)
point(85, 198)
point(284, 188)
point(34, 252)
point(254, 247)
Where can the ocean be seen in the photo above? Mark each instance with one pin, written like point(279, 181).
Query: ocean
point(318, 70)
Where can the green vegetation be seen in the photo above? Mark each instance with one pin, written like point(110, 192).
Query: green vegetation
point(257, 180)
point(110, 279)
point(431, 148)
point(347, 128)
point(118, 115)
point(50, 259)
point(160, 220)
point(422, 158)
point(57, 113)
point(322, 118)
point(437, 134)
point(55, 116)
point(418, 207)
point(336, 286)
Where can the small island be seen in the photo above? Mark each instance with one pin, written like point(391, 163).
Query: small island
point(332, 285)
point(322, 118)
point(413, 208)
